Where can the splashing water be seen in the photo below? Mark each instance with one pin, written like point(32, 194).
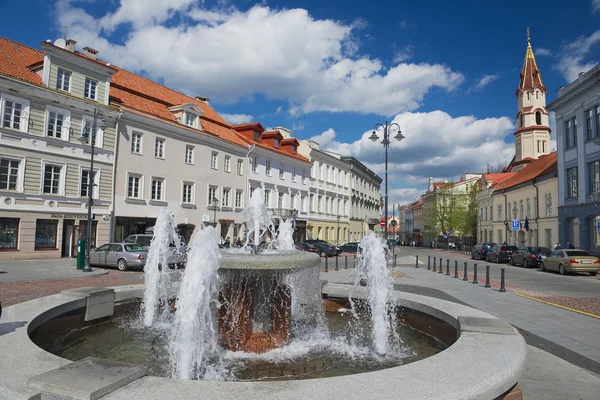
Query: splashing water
point(194, 336)
point(372, 266)
point(157, 279)
point(285, 235)
point(257, 218)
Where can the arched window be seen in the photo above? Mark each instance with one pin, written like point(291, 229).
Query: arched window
point(538, 118)
point(527, 95)
point(522, 119)
point(537, 94)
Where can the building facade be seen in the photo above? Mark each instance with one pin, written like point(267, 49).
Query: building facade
point(577, 114)
point(329, 199)
point(48, 100)
point(365, 200)
point(406, 222)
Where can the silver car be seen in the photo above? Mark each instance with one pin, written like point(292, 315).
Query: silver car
point(120, 255)
point(174, 257)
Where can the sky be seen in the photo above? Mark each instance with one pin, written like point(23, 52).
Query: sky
point(445, 72)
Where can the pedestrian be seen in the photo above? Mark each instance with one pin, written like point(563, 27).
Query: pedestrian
point(558, 246)
point(227, 242)
point(238, 243)
point(570, 245)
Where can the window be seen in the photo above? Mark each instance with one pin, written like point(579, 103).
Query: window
point(303, 176)
point(189, 154)
point(293, 201)
point(45, 233)
point(538, 118)
point(572, 182)
point(55, 123)
point(190, 119)
point(276, 142)
point(481, 214)
point(485, 216)
point(522, 120)
point(548, 201)
point(214, 159)
point(280, 171)
point(226, 196)
point(212, 196)
point(280, 200)
point(159, 148)
point(293, 149)
point(52, 179)
point(238, 198)
point(594, 177)
point(537, 94)
point(63, 79)
point(254, 161)
point(9, 233)
point(589, 127)
point(89, 91)
point(320, 204)
point(267, 197)
point(84, 183)
point(528, 211)
point(86, 131)
point(134, 183)
point(499, 212)
point(187, 196)
point(16, 113)
point(157, 192)
point(294, 174)
point(136, 143)
point(571, 133)
point(227, 163)
point(597, 120)
point(240, 166)
point(10, 173)
point(256, 136)
point(268, 167)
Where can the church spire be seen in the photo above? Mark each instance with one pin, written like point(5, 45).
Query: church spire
point(531, 78)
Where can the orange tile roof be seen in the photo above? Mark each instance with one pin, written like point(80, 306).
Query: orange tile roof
point(498, 178)
point(531, 77)
point(265, 145)
point(541, 166)
point(14, 59)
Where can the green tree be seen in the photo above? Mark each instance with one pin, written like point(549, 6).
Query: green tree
point(469, 226)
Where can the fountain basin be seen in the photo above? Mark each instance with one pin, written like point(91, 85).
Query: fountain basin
point(485, 348)
point(269, 260)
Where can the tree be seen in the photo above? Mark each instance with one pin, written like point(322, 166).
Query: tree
point(471, 212)
point(444, 210)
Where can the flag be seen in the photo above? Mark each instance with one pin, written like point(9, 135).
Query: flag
point(526, 226)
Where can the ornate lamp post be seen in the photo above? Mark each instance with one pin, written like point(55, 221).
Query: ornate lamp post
point(215, 203)
point(338, 230)
point(90, 137)
point(387, 130)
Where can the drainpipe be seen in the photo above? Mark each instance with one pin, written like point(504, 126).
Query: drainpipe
point(537, 212)
point(111, 226)
point(505, 215)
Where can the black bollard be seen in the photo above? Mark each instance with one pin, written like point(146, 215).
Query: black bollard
point(428, 263)
point(326, 264)
point(441, 270)
point(487, 276)
point(434, 264)
point(345, 262)
point(456, 269)
point(502, 289)
point(395, 260)
point(336, 263)
point(475, 275)
point(465, 276)
point(417, 261)
point(354, 263)
point(448, 267)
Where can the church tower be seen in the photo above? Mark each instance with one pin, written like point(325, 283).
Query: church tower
point(532, 137)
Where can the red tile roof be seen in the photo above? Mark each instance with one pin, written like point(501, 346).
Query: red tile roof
point(542, 166)
point(498, 178)
point(531, 77)
point(14, 59)
point(242, 132)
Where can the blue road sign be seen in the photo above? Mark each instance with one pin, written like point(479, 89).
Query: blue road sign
point(598, 226)
point(516, 225)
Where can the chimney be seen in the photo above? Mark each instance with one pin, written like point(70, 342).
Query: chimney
point(205, 100)
point(70, 45)
point(90, 53)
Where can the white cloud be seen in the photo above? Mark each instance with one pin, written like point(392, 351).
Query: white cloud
point(483, 82)
point(403, 195)
point(595, 6)
point(404, 54)
point(298, 126)
point(228, 55)
point(237, 118)
point(574, 57)
point(325, 139)
point(540, 51)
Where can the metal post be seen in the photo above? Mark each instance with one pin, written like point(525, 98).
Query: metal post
point(386, 144)
point(326, 264)
point(447, 267)
point(441, 270)
point(394, 261)
point(90, 189)
point(417, 262)
point(465, 276)
point(487, 276)
point(428, 263)
point(434, 264)
point(345, 262)
point(502, 289)
point(456, 269)
point(354, 263)
point(336, 263)
point(475, 275)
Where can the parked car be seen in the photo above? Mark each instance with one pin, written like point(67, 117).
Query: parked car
point(529, 256)
point(351, 247)
point(317, 241)
point(500, 253)
point(481, 249)
point(571, 260)
point(121, 255)
point(305, 247)
point(174, 258)
point(325, 249)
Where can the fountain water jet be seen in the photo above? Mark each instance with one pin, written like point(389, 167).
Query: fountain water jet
point(285, 235)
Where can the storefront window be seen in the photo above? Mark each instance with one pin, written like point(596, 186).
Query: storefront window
point(45, 233)
point(9, 233)
point(83, 231)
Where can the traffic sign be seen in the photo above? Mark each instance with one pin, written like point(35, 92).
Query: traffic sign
point(516, 225)
point(394, 222)
point(382, 222)
point(598, 226)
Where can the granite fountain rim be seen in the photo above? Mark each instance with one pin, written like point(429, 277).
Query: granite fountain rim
point(276, 260)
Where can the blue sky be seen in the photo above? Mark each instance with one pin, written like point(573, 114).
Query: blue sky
point(331, 70)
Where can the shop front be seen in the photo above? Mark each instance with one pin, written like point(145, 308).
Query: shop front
point(126, 226)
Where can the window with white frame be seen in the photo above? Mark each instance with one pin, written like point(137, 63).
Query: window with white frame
point(227, 163)
point(268, 167)
point(212, 195)
point(134, 186)
point(57, 123)
point(87, 124)
point(157, 189)
point(90, 88)
point(280, 200)
point(280, 171)
point(292, 201)
point(294, 174)
point(521, 209)
point(254, 162)
point(240, 166)
point(63, 79)
point(53, 179)
point(187, 195)
point(499, 212)
point(528, 214)
point(189, 154)
point(226, 197)
point(267, 197)
point(548, 200)
point(136, 143)
point(190, 119)
point(293, 149)
point(11, 173)
point(303, 176)
point(276, 143)
point(238, 198)
point(84, 183)
point(214, 160)
point(159, 148)
point(15, 114)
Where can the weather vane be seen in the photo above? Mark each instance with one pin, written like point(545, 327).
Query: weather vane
point(528, 37)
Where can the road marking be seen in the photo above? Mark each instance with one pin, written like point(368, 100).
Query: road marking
point(559, 306)
point(420, 262)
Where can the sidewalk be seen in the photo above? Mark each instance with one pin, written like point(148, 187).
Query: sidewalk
point(37, 270)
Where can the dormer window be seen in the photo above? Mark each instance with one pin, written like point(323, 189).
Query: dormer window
point(90, 88)
point(190, 119)
point(187, 114)
point(293, 149)
point(63, 80)
point(276, 143)
point(256, 136)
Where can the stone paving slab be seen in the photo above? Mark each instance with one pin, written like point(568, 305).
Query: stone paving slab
point(35, 270)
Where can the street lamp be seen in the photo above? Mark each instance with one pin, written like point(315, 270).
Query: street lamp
point(215, 203)
point(338, 230)
point(294, 216)
point(85, 138)
point(515, 210)
point(387, 130)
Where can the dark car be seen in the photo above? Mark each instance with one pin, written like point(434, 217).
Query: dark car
point(325, 249)
point(481, 249)
point(351, 247)
point(500, 253)
point(305, 247)
point(529, 256)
